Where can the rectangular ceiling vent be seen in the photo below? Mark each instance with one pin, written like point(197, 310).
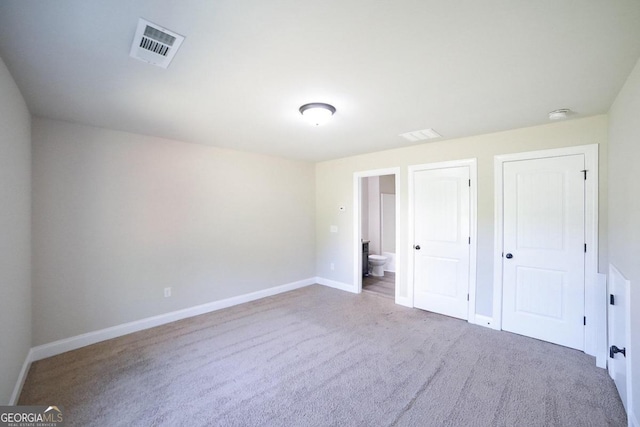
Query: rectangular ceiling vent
point(421, 135)
point(155, 44)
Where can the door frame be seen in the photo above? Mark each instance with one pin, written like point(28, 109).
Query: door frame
point(357, 224)
point(590, 153)
point(473, 226)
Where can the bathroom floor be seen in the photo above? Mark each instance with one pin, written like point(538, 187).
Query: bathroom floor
point(385, 286)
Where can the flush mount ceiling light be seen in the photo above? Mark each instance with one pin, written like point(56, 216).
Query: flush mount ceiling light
point(317, 113)
point(559, 114)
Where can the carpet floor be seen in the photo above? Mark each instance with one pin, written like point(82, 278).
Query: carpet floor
point(321, 357)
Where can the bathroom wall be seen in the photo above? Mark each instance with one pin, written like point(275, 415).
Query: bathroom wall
point(372, 227)
point(119, 216)
point(373, 232)
point(364, 208)
point(388, 226)
point(388, 184)
point(388, 229)
point(15, 229)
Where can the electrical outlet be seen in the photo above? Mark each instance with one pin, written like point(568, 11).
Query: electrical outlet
point(167, 292)
point(333, 267)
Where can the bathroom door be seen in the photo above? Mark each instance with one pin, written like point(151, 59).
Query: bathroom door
point(442, 240)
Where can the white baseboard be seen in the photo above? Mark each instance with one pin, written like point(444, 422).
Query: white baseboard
point(21, 378)
point(485, 321)
point(72, 343)
point(337, 285)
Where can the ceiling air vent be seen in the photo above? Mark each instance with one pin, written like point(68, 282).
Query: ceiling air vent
point(420, 135)
point(155, 44)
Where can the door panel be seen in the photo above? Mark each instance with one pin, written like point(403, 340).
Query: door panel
point(543, 263)
point(539, 292)
point(618, 321)
point(540, 194)
point(440, 275)
point(441, 265)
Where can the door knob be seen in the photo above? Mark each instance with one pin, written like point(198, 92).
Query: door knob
point(509, 256)
point(613, 350)
point(416, 247)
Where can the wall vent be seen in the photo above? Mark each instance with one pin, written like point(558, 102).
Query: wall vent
point(421, 135)
point(155, 44)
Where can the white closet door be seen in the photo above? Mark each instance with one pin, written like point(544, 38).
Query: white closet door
point(543, 259)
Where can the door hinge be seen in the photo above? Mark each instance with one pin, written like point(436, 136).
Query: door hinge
point(584, 320)
point(612, 299)
point(469, 183)
point(469, 240)
point(585, 173)
point(467, 297)
point(585, 248)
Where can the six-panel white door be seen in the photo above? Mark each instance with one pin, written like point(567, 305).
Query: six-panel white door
point(441, 241)
point(543, 259)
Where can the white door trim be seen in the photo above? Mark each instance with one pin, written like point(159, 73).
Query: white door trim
point(591, 233)
point(357, 226)
point(473, 230)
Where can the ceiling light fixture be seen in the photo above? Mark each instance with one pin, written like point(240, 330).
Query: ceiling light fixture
point(317, 113)
point(559, 114)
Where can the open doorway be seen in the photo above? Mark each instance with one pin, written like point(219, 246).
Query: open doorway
point(376, 228)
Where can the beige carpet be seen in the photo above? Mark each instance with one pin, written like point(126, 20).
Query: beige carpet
point(322, 357)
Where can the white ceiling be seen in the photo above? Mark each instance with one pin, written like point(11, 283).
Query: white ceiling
point(462, 67)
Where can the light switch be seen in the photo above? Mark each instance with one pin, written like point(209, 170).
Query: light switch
point(333, 229)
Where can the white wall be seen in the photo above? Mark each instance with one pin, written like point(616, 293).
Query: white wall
point(119, 216)
point(364, 205)
point(335, 187)
point(15, 232)
point(624, 205)
point(373, 221)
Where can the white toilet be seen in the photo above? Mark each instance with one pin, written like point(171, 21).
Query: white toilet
point(376, 265)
